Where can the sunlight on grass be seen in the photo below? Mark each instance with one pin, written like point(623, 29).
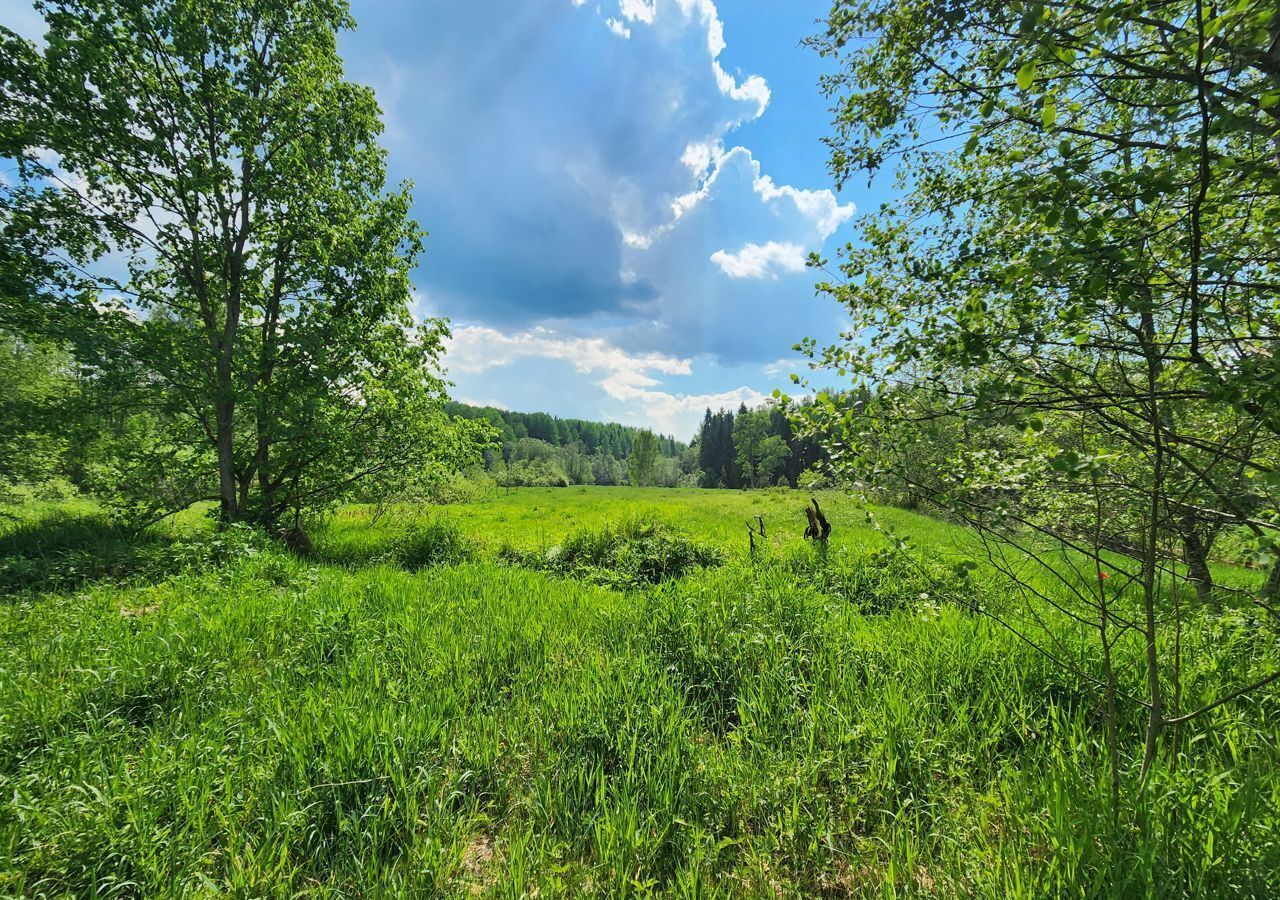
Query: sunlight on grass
point(373, 722)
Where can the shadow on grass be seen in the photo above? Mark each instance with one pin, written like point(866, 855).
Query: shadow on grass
point(65, 552)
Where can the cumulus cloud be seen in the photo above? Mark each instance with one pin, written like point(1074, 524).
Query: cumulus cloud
point(585, 185)
point(477, 348)
point(780, 367)
point(754, 88)
point(761, 260)
point(820, 206)
point(707, 160)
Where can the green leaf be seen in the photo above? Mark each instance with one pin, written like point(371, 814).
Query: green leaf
point(1049, 112)
point(1027, 75)
point(1269, 99)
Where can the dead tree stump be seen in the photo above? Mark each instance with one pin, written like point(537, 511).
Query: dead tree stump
point(752, 531)
point(819, 528)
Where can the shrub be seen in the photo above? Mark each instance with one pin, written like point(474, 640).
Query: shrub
point(437, 542)
point(462, 487)
point(626, 555)
point(534, 473)
point(873, 583)
point(66, 552)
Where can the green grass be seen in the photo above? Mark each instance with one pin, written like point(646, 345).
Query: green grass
point(406, 715)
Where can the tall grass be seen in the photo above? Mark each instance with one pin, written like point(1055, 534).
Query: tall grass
point(366, 723)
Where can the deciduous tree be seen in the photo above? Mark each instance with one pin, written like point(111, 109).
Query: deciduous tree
point(203, 201)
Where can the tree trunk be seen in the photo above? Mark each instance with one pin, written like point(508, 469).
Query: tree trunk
point(224, 415)
point(1195, 553)
point(1151, 548)
point(1271, 589)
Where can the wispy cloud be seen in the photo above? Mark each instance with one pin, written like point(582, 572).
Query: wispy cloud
point(633, 380)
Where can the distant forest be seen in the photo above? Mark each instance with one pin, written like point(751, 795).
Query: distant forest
point(742, 449)
point(605, 437)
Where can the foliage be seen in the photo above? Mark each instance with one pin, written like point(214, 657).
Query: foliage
point(35, 383)
point(643, 459)
point(434, 542)
point(533, 473)
point(67, 550)
point(752, 448)
point(759, 454)
point(202, 217)
point(1059, 336)
point(608, 438)
point(631, 554)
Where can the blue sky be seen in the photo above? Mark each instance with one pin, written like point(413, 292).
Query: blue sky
point(619, 193)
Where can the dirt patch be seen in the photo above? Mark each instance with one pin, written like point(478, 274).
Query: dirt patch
point(477, 863)
point(136, 612)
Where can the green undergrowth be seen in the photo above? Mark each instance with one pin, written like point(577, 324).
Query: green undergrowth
point(630, 554)
point(65, 551)
point(412, 540)
point(404, 714)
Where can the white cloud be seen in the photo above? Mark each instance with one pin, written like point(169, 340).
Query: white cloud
point(753, 89)
point(624, 377)
point(707, 160)
point(639, 10)
point(640, 224)
point(760, 260)
point(821, 207)
point(699, 155)
point(496, 404)
point(780, 367)
point(477, 348)
point(679, 414)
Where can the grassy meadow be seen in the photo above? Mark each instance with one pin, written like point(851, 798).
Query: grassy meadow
point(581, 691)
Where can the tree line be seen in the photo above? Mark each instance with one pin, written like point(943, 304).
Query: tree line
point(755, 448)
point(541, 450)
point(746, 448)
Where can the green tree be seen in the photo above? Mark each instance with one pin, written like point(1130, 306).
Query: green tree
point(759, 453)
point(606, 470)
point(1081, 281)
point(261, 310)
point(643, 458)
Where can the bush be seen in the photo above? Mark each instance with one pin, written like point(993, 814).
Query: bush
point(873, 583)
point(626, 555)
point(534, 473)
point(462, 487)
point(438, 542)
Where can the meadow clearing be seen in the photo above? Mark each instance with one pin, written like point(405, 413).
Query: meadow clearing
point(543, 693)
